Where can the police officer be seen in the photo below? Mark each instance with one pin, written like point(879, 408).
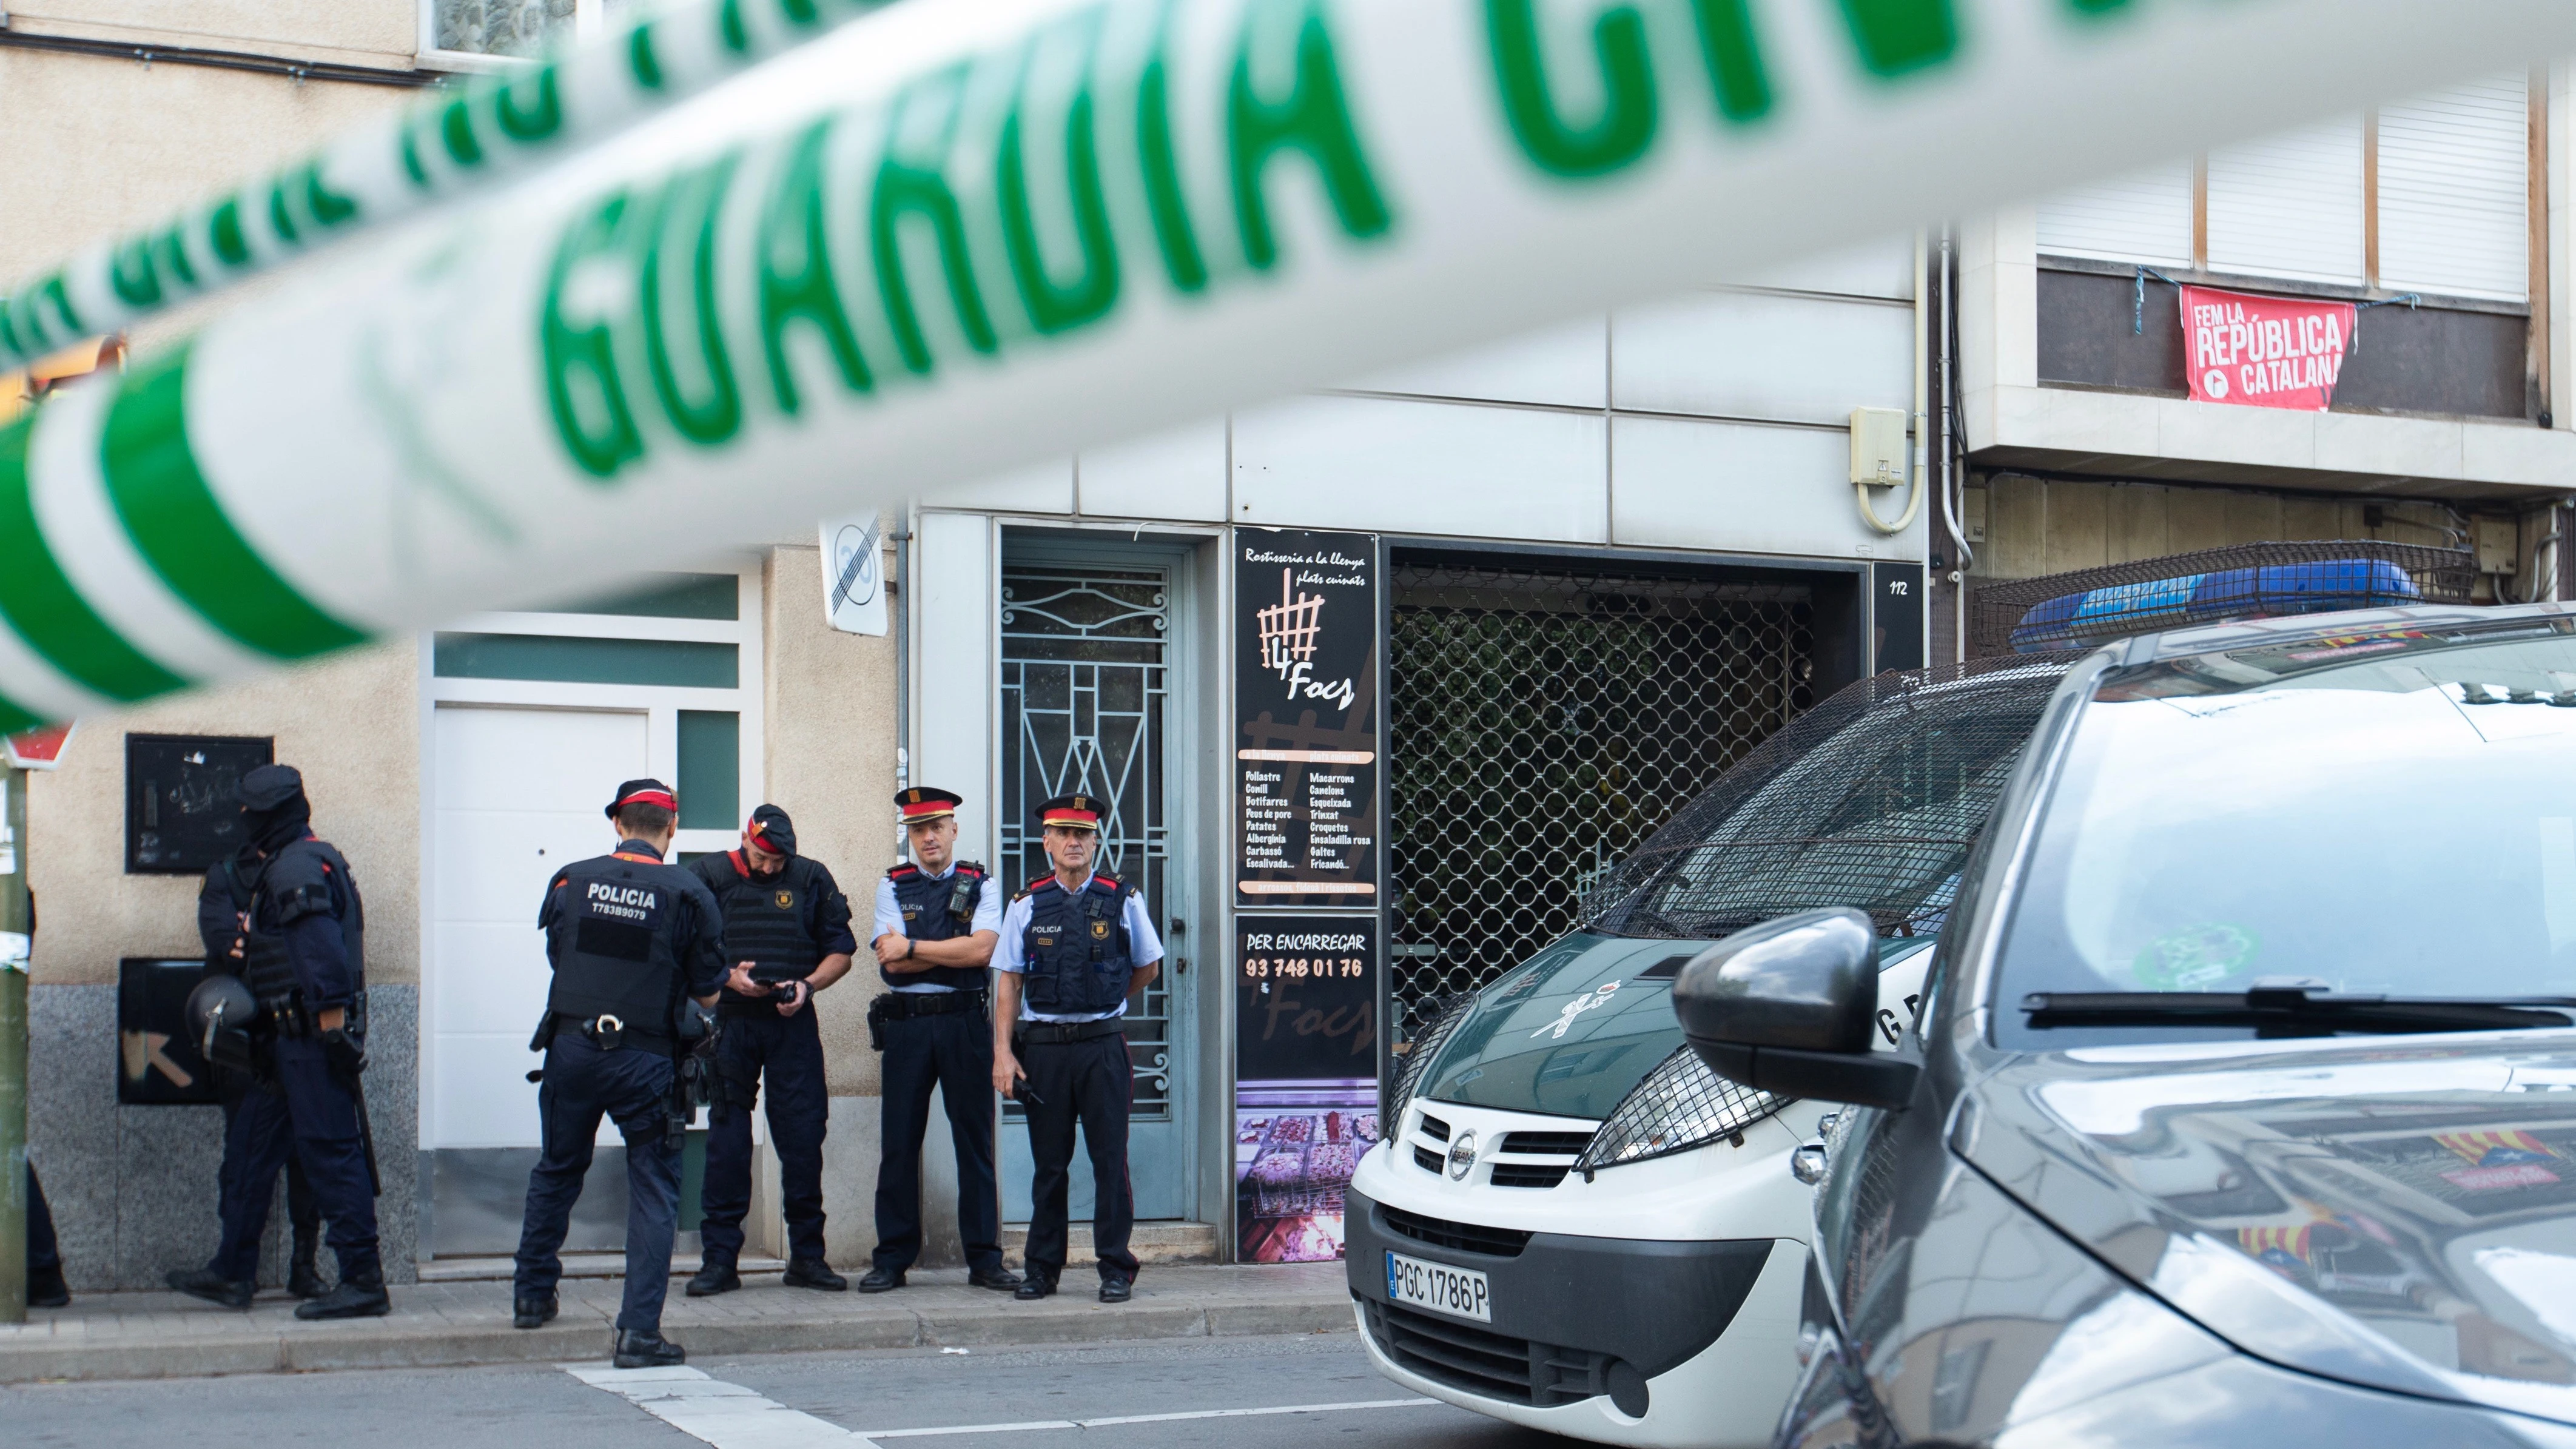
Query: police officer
point(936, 923)
point(633, 942)
point(787, 933)
point(45, 1286)
point(1074, 947)
point(301, 939)
point(254, 1104)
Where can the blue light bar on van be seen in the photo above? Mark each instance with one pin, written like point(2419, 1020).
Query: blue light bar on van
point(2319, 587)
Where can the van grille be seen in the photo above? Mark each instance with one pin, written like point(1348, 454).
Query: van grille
point(1427, 1160)
point(1435, 1127)
point(1530, 1174)
point(1463, 1237)
point(1480, 1361)
point(1547, 1144)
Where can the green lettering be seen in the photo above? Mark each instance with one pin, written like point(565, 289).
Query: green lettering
point(798, 12)
point(2090, 8)
point(173, 249)
point(729, 25)
point(131, 273)
point(582, 386)
point(456, 132)
point(328, 207)
point(53, 290)
point(1898, 36)
point(1053, 308)
point(1164, 199)
point(640, 57)
point(224, 232)
point(687, 216)
point(412, 168)
point(913, 186)
point(17, 308)
point(806, 289)
point(1311, 117)
point(1733, 53)
point(540, 119)
point(278, 216)
point(1626, 125)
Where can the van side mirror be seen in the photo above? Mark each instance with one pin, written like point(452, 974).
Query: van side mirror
point(1789, 1006)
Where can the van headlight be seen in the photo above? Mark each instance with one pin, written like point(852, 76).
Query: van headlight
point(1680, 1105)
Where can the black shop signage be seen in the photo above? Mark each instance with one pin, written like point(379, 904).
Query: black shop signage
point(1307, 992)
point(1307, 719)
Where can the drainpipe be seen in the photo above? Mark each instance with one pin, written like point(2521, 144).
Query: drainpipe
point(1962, 557)
point(902, 540)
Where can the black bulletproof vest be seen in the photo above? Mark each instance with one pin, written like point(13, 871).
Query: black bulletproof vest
point(265, 967)
point(1077, 947)
point(766, 917)
point(939, 908)
point(613, 945)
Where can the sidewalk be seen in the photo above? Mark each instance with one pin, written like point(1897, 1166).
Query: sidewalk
point(164, 1335)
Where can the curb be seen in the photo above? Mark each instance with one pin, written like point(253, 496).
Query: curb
point(373, 1344)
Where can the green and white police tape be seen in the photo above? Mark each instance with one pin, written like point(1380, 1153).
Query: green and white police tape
point(383, 171)
point(962, 237)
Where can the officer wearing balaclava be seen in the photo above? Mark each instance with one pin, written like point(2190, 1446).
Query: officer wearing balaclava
point(302, 955)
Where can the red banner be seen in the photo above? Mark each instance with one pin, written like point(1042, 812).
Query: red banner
point(2264, 352)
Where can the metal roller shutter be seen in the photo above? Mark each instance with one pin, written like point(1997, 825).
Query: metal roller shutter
point(2289, 205)
point(2454, 192)
point(2143, 217)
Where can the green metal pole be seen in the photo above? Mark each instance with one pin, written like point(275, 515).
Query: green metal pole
point(17, 928)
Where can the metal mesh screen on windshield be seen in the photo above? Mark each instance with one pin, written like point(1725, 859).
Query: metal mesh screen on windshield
point(1872, 800)
point(2086, 607)
point(1546, 717)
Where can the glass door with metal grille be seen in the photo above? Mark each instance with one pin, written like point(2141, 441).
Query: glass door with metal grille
point(1091, 662)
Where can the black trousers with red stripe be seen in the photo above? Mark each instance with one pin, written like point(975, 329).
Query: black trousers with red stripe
point(1090, 1083)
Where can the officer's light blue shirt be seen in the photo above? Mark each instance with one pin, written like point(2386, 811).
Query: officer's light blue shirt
point(988, 917)
point(1012, 955)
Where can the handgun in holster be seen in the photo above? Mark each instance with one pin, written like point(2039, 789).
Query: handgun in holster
point(876, 1023)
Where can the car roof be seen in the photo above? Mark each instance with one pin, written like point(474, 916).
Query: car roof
point(2301, 628)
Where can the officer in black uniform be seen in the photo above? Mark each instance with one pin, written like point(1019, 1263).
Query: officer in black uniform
point(1074, 947)
point(787, 933)
point(45, 1286)
point(633, 943)
point(937, 920)
point(302, 953)
point(254, 1103)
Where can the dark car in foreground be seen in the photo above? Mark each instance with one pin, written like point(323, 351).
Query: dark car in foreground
point(2242, 1105)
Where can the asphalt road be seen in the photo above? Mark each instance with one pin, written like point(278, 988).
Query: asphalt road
point(789, 1401)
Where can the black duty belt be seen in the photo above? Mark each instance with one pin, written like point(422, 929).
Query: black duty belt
point(900, 1005)
point(610, 1034)
point(1065, 1033)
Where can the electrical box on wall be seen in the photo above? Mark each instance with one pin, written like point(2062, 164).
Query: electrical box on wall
point(181, 816)
point(1878, 449)
point(1972, 514)
point(2498, 542)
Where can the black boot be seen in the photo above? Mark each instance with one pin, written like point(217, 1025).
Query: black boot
point(303, 1274)
point(533, 1310)
point(715, 1275)
point(637, 1349)
point(46, 1289)
point(881, 1280)
point(211, 1286)
point(814, 1273)
point(361, 1294)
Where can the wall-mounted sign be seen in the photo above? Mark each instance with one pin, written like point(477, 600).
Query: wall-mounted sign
point(1307, 719)
point(854, 596)
point(2264, 352)
point(1306, 1001)
point(181, 815)
point(156, 1064)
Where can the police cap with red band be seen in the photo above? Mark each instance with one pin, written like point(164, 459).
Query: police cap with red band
point(1073, 812)
point(643, 792)
point(920, 804)
point(771, 830)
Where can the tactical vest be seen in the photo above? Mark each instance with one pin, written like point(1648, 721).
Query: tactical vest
point(766, 918)
point(1077, 948)
point(938, 908)
point(266, 967)
point(614, 948)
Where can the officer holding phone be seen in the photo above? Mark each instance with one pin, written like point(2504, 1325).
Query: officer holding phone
point(786, 936)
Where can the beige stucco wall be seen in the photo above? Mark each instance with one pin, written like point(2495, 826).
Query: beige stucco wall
point(351, 724)
point(98, 146)
point(830, 721)
point(361, 32)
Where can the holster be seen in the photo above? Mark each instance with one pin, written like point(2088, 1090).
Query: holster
point(876, 1024)
point(545, 1034)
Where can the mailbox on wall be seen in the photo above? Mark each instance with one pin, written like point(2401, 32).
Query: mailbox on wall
point(156, 1063)
point(181, 817)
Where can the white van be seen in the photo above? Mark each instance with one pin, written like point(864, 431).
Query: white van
point(1572, 1224)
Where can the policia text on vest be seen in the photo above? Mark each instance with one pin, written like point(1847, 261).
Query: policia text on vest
point(1074, 947)
point(630, 1017)
point(284, 1010)
point(937, 919)
point(786, 937)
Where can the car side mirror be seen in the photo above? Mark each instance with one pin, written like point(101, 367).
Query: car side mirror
point(1789, 1006)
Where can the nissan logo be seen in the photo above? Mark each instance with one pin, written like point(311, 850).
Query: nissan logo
point(1462, 1156)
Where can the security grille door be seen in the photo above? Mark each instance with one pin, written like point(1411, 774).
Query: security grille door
point(1086, 677)
point(1545, 719)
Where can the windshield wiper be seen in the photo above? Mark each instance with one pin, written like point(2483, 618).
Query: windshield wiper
point(2296, 1008)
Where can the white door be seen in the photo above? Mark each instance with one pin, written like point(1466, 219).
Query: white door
point(516, 794)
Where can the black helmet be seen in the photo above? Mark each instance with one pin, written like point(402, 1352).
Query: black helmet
point(220, 1012)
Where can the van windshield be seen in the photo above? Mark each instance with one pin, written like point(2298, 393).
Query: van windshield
point(2390, 813)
